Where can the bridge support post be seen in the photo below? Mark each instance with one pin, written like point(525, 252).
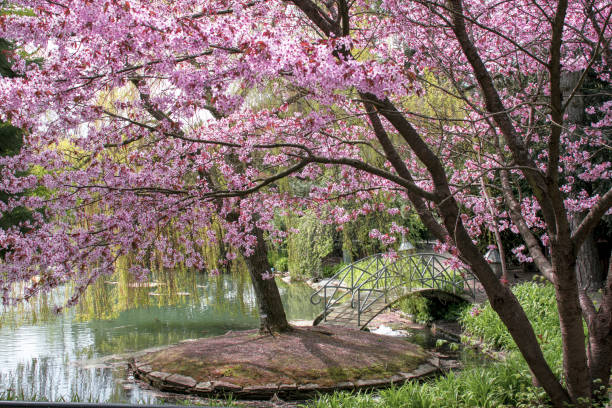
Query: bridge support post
point(358, 308)
point(324, 303)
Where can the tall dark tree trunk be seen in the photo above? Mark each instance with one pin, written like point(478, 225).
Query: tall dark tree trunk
point(271, 311)
point(506, 306)
point(588, 266)
point(599, 351)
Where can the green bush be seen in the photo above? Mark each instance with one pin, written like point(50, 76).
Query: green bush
point(331, 270)
point(418, 307)
point(538, 301)
point(500, 384)
point(280, 265)
point(425, 310)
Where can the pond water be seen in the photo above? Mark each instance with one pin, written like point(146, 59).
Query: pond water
point(73, 355)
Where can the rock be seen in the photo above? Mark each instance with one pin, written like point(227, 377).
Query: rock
point(375, 383)
point(326, 388)
point(387, 331)
point(226, 386)
point(345, 385)
point(434, 361)
point(144, 369)
point(276, 400)
point(266, 387)
point(157, 378)
point(308, 387)
point(260, 390)
point(397, 379)
point(205, 387)
point(423, 370)
point(288, 387)
point(181, 381)
point(450, 364)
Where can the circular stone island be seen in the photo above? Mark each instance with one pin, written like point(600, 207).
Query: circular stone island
point(292, 365)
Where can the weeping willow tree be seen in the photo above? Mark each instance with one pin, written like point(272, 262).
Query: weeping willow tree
point(306, 248)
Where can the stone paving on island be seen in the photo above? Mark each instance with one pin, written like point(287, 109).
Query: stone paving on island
point(292, 365)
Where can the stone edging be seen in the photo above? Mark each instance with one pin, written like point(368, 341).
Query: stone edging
point(186, 385)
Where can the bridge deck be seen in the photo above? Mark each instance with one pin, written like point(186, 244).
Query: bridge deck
point(345, 315)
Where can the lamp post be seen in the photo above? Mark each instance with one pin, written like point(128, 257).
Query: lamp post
point(492, 256)
point(405, 245)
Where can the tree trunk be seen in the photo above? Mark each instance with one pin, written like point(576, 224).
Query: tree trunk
point(498, 241)
point(505, 305)
point(588, 269)
point(272, 316)
point(575, 368)
point(599, 352)
point(588, 266)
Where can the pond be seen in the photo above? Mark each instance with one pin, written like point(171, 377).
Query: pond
point(68, 356)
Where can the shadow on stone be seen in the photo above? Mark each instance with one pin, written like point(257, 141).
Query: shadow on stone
point(293, 365)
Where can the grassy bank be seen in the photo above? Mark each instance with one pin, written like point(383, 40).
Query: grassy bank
point(504, 383)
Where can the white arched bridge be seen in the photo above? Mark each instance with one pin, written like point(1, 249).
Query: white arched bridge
point(364, 289)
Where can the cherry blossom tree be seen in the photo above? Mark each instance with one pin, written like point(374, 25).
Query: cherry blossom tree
point(149, 111)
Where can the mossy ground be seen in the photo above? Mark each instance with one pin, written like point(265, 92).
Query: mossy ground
point(321, 355)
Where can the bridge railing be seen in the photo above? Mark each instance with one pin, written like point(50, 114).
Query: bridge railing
point(416, 271)
point(370, 279)
point(344, 282)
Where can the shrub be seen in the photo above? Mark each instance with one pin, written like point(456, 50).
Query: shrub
point(538, 301)
point(280, 265)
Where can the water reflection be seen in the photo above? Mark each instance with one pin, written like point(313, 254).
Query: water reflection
point(60, 357)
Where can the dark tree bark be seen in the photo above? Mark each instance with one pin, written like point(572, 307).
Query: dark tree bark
point(588, 266)
point(272, 316)
point(599, 323)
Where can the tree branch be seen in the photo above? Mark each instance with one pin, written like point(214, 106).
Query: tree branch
point(592, 218)
point(495, 106)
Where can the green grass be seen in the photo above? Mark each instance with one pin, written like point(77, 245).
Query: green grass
point(494, 384)
point(499, 384)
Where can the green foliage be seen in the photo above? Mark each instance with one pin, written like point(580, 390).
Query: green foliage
point(5, 66)
point(281, 264)
point(277, 258)
point(356, 234)
point(538, 301)
point(500, 384)
point(11, 140)
point(331, 270)
point(425, 310)
point(313, 241)
point(418, 307)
